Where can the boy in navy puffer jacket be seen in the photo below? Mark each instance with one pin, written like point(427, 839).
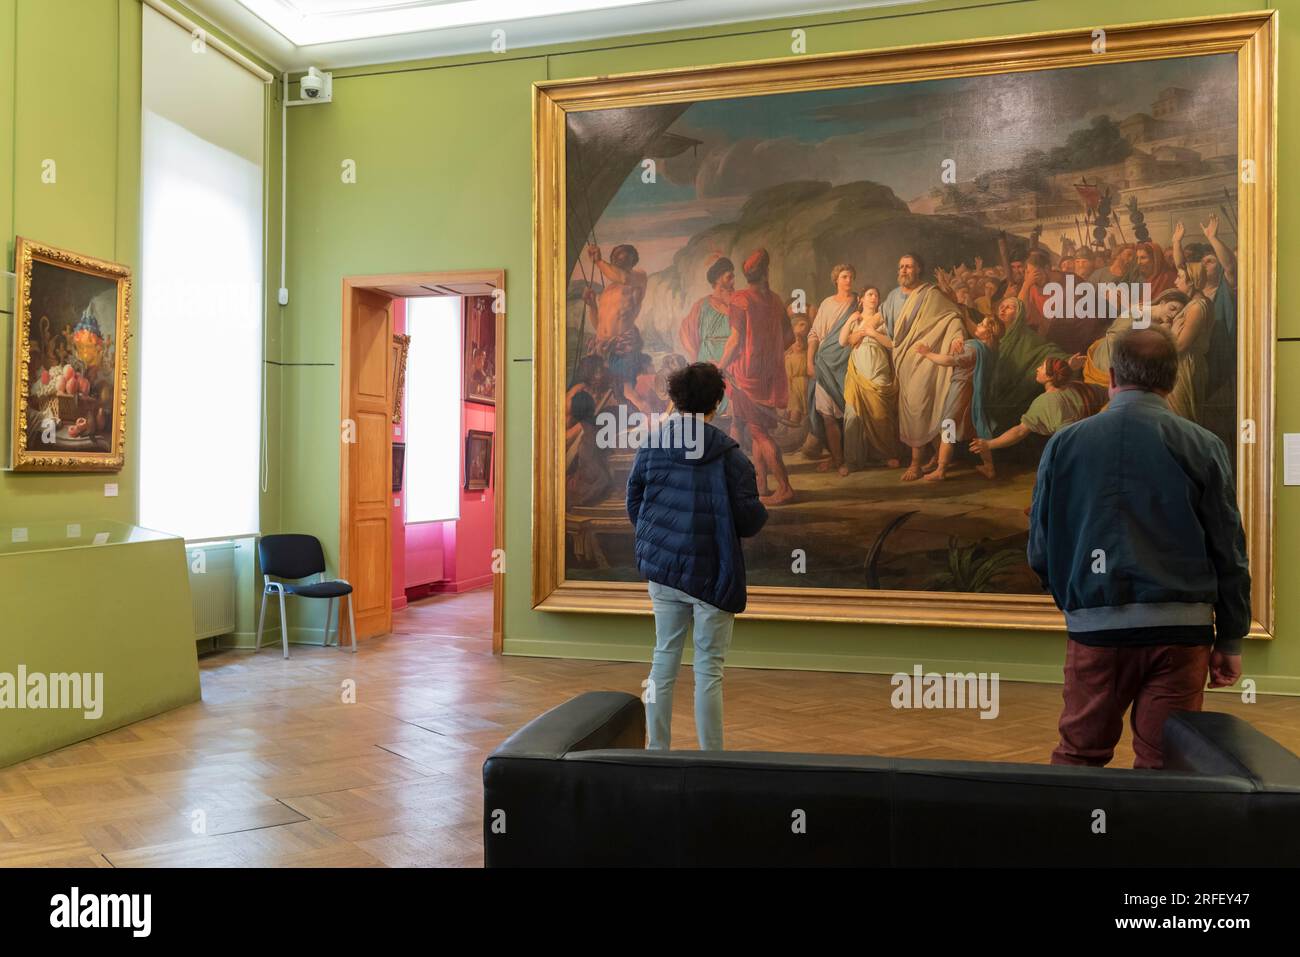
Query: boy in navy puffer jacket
point(692, 497)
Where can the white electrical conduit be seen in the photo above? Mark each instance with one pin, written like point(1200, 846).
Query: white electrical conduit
point(284, 181)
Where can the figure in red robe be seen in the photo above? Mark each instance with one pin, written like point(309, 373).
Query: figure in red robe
point(1154, 267)
point(753, 360)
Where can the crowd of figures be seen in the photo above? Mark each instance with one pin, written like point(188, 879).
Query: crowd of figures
point(949, 364)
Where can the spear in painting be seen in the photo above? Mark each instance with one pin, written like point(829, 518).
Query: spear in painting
point(1227, 214)
point(590, 232)
point(582, 316)
point(1122, 237)
point(1004, 254)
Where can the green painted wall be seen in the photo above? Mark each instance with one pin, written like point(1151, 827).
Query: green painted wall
point(49, 110)
point(70, 91)
point(443, 182)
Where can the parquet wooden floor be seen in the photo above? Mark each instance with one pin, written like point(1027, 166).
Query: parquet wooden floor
point(273, 768)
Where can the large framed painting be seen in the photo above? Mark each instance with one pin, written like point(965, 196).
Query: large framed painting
point(910, 265)
point(70, 361)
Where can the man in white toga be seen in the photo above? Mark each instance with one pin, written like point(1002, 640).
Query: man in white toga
point(917, 312)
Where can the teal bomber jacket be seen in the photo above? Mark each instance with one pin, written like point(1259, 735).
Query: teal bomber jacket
point(1135, 525)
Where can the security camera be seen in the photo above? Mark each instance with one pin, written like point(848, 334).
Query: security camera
point(316, 87)
point(312, 84)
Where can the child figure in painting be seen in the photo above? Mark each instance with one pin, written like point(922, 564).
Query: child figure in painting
point(592, 377)
point(965, 408)
point(792, 430)
point(642, 392)
point(796, 371)
point(667, 366)
point(587, 475)
point(1063, 400)
point(692, 496)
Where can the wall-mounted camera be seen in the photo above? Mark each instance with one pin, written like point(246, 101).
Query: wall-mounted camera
point(314, 87)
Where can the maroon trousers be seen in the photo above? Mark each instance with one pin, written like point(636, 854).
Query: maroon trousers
point(1101, 683)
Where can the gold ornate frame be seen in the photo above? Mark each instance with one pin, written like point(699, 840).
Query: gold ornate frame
point(1252, 37)
point(26, 253)
point(401, 345)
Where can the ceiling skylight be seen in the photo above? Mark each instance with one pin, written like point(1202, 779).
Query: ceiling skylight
point(309, 22)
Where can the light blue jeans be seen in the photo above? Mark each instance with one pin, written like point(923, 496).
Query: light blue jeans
point(674, 611)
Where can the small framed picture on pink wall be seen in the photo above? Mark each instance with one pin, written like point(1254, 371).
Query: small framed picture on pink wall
point(399, 465)
point(480, 350)
point(478, 460)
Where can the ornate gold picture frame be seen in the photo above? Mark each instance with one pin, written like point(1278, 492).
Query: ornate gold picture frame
point(70, 361)
point(401, 346)
point(568, 575)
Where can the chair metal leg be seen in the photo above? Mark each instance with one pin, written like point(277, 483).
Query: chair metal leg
point(284, 626)
point(352, 623)
point(261, 620)
point(329, 616)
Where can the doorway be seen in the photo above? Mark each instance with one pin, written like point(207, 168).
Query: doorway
point(367, 391)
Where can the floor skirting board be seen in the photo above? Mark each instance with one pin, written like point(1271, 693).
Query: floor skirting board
point(857, 664)
point(448, 587)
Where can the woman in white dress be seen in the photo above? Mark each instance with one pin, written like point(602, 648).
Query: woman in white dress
point(870, 391)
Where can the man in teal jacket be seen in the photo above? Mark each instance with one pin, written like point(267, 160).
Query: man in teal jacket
point(1135, 531)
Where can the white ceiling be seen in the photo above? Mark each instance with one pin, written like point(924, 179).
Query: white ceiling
point(295, 34)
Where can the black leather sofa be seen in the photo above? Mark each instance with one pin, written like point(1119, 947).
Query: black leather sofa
point(575, 787)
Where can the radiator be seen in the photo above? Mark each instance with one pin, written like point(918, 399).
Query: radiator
point(212, 587)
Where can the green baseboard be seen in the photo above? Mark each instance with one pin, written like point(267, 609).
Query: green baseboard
point(853, 664)
point(298, 635)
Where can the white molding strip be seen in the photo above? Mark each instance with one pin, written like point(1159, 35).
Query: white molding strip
point(216, 43)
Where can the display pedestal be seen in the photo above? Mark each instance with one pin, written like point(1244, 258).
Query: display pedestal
point(96, 631)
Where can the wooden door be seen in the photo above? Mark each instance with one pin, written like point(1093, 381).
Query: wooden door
point(366, 533)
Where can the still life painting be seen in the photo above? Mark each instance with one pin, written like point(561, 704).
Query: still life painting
point(69, 361)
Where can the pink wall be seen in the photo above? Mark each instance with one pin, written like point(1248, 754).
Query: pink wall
point(445, 556)
point(424, 554)
point(468, 543)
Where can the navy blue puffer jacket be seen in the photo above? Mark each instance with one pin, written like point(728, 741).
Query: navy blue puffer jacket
point(692, 502)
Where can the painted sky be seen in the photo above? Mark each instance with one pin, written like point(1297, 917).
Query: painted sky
point(898, 135)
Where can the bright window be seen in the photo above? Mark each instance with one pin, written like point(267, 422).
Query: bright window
point(433, 409)
point(200, 288)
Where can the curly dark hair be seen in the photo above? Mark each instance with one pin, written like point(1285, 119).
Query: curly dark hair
point(697, 389)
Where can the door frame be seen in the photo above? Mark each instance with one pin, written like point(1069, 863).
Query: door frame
point(497, 277)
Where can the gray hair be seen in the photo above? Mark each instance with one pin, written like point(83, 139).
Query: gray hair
point(1146, 359)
